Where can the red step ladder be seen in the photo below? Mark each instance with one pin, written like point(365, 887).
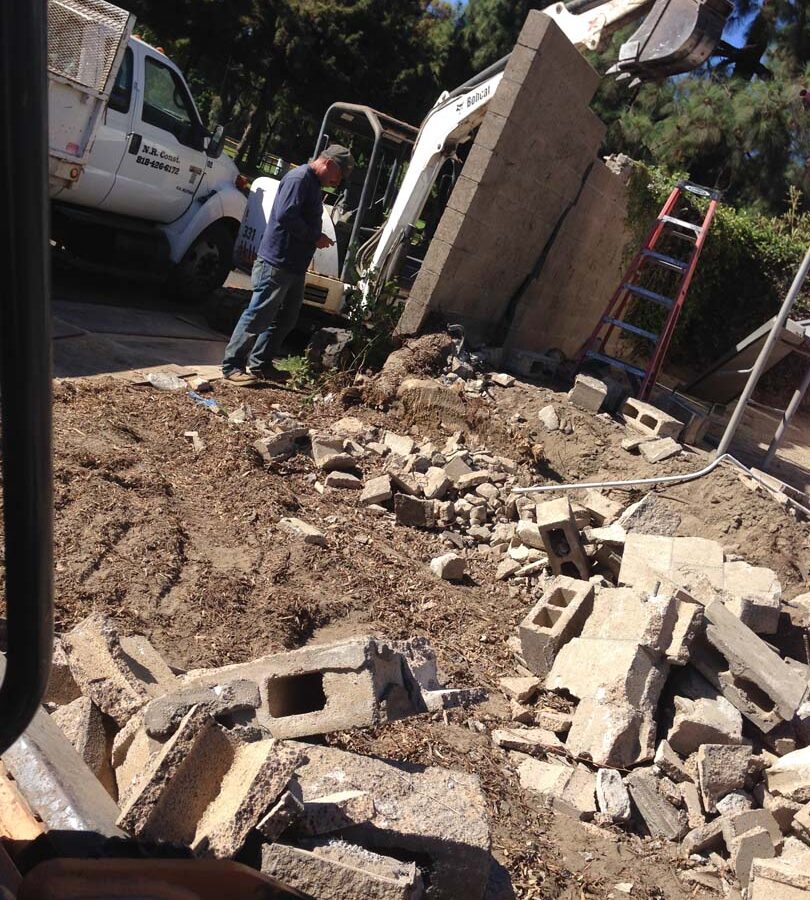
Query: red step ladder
point(665, 226)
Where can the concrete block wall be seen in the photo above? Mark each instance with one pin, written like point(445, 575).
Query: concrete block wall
point(532, 165)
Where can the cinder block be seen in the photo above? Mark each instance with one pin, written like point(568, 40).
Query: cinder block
point(749, 674)
point(647, 419)
point(558, 617)
point(62, 687)
point(754, 595)
point(83, 725)
point(452, 836)
point(162, 716)
point(206, 788)
point(562, 539)
point(342, 872)
point(588, 393)
point(283, 814)
point(631, 615)
point(117, 681)
point(334, 812)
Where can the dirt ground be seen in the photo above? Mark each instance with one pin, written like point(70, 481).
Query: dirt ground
point(185, 548)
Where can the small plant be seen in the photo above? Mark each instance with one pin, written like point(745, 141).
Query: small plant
point(302, 377)
point(372, 311)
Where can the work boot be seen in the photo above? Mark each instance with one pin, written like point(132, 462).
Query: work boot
point(269, 372)
point(243, 378)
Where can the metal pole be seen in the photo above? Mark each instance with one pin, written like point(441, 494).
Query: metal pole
point(793, 406)
point(764, 355)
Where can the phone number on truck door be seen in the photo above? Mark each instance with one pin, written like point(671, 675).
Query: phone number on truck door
point(157, 164)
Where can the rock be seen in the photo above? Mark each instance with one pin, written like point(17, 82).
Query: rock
point(721, 769)
point(412, 512)
point(521, 689)
point(437, 484)
point(549, 418)
point(612, 795)
point(703, 722)
point(327, 452)
point(398, 444)
point(343, 480)
point(300, 529)
point(588, 393)
point(506, 569)
point(377, 491)
point(659, 450)
point(449, 567)
point(502, 380)
point(735, 802)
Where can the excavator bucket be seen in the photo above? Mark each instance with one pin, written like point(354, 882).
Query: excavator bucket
point(676, 36)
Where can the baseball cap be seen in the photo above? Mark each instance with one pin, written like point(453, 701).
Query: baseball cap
point(342, 156)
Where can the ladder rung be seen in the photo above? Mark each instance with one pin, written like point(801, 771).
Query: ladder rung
point(660, 299)
point(682, 223)
point(668, 262)
point(615, 363)
point(634, 329)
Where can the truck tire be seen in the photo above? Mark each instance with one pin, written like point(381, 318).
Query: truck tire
point(205, 265)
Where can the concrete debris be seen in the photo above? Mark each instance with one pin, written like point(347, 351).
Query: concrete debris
point(524, 690)
point(334, 812)
point(340, 871)
point(345, 480)
point(588, 393)
point(281, 443)
point(162, 716)
point(565, 789)
point(721, 769)
point(449, 567)
point(603, 510)
point(548, 418)
point(329, 454)
point(561, 539)
point(83, 725)
point(526, 740)
point(734, 802)
point(659, 450)
point(62, 687)
point(753, 594)
point(502, 379)
point(774, 878)
point(626, 614)
point(414, 513)
point(662, 819)
point(670, 764)
point(789, 776)
point(646, 418)
point(612, 795)
point(377, 491)
point(117, 683)
point(552, 720)
point(309, 534)
point(754, 844)
point(285, 813)
point(703, 722)
point(650, 515)
point(399, 444)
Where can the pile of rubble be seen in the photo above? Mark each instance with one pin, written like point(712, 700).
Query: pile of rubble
point(214, 760)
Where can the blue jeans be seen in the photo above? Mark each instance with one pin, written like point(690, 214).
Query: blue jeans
point(270, 316)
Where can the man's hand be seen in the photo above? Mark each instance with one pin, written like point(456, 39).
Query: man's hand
point(323, 242)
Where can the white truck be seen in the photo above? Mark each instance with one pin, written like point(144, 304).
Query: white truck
point(136, 180)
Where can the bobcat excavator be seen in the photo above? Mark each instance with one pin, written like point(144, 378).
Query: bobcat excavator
point(58, 837)
point(374, 220)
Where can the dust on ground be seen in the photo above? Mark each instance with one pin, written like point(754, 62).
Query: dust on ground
point(184, 547)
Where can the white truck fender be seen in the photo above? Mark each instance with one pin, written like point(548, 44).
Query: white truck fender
point(227, 204)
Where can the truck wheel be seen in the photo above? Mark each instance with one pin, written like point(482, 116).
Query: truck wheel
point(205, 265)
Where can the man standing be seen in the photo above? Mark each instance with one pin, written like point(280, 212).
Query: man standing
point(290, 240)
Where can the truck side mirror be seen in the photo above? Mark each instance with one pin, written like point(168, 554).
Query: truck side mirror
point(216, 143)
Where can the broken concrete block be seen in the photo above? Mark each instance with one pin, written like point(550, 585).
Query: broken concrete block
point(119, 684)
point(603, 510)
point(399, 444)
point(377, 490)
point(62, 687)
point(734, 802)
point(343, 480)
point(414, 513)
point(627, 614)
point(502, 379)
point(782, 809)
point(567, 790)
point(139, 753)
point(281, 444)
point(688, 625)
point(777, 878)
point(647, 419)
point(650, 515)
point(691, 800)
point(162, 716)
point(526, 740)
point(520, 713)
point(754, 595)
point(334, 812)
point(529, 535)
point(754, 844)
point(703, 722)
point(748, 673)
point(521, 689)
point(670, 764)
point(557, 618)
point(721, 769)
point(708, 836)
point(552, 720)
point(340, 871)
point(472, 480)
point(457, 468)
point(801, 824)
point(662, 819)
point(83, 725)
point(612, 795)
point(588, 393)
point(283, 814)
point(659, 450)
point(549, 418)
point(451, 836)
point(300, 529)
point(329, 456)
point(506, 568)
point(790, 776)
point(694, 564)
point(206, 789)
point(449, 567)
point(562, 539)
point(437, 484)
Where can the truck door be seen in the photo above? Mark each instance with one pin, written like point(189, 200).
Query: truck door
point(164, 161)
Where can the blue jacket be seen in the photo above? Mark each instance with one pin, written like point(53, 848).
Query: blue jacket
point(295, 222)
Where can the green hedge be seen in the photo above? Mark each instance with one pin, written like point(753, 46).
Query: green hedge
point(747, 265)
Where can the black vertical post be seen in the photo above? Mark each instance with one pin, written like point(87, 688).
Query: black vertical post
point(25, 362)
